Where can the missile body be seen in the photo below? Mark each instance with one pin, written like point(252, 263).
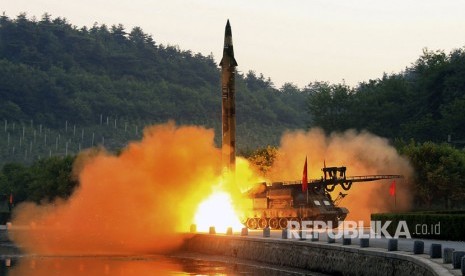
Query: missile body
point(228, 70)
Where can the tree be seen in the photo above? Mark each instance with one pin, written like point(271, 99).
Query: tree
point(329, 105)
point(262, 159)
point(439, 173)
point(257, 83)
point(44, 180)
point(15, 181)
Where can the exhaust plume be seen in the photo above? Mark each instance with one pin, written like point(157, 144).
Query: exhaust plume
point(137, 202)
point(131, 203)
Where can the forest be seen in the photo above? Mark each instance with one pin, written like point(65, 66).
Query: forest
point(54, 74)
point(64, 88)
point(425, 102)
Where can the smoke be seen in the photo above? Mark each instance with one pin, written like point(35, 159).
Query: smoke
point(362, 153)
point(139, 201)
point(131, 203)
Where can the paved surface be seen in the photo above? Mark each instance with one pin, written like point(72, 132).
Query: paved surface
point(404, 245)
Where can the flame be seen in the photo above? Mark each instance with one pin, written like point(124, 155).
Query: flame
point(227, 204)
point(135, 202)
point(218, 211)
point(139, 201)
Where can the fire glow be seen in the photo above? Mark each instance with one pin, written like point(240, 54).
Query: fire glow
point(218, 211)
point(138, 201)
point(227, 203)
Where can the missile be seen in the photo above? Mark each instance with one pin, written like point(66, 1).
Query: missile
point(228, 104)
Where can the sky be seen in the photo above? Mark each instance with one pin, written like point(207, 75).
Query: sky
point(297, 41)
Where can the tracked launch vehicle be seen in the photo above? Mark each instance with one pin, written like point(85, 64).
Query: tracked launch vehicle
point(274, 204)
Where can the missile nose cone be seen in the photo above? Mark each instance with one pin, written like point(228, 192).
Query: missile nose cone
point(228, 52)
point(228, 29)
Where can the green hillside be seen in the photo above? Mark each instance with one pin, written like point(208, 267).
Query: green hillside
point(425, 102)
point(54, 74)
point(65, 88)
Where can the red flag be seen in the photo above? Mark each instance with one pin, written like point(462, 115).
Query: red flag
point(392, 188)
point(11, 198)
point(304, 177)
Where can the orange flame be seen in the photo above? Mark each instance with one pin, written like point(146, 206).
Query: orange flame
point(218, 211)
point(138, 201)
point(227, 205)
